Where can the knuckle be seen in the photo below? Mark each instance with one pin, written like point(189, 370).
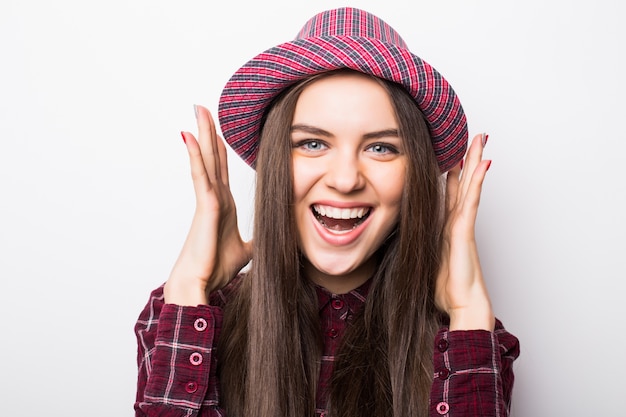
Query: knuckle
point(198, 173)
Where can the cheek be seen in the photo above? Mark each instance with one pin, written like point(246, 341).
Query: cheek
point(296, 179)
point(391, 186)
point(305, 175)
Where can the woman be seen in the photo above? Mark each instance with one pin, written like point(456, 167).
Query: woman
point(365, 295)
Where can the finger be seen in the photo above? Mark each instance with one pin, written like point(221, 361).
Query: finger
point(207, 138)
point(198, 172)
point(473, 158)
point(472, 198)
point(216, 141)
point(452, 185)
point(223, 160)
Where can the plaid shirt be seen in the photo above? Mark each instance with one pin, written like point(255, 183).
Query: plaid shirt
point(177, 366)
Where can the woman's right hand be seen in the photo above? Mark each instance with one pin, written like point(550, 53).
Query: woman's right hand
point(214, 251)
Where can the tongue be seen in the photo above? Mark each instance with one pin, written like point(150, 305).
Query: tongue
point(338, 224)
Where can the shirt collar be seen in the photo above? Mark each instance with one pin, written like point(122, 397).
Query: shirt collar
point(355, 299)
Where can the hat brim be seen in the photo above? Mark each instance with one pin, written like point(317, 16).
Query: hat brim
point(252, 88)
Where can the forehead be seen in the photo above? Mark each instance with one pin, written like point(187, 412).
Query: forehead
point(348, 100)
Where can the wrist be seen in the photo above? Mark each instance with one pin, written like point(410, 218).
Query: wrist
point(184, 295)
point(472, 319)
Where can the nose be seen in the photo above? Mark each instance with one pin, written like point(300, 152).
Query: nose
point(345, 173)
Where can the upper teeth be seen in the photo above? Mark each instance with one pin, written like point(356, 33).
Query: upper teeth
point(340, 213)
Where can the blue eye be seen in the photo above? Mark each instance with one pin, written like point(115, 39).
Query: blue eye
point(382, 149)
point(311, 145)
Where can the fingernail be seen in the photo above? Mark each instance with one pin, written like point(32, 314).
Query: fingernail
point(462, 162)
point(488, 166)
point(195, 110)
point(485, 139)
point(183, 136)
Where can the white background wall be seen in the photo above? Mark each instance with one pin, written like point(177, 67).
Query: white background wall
point(95, 197)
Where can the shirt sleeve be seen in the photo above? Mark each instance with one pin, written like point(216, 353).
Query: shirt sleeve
point(473, 373)
point(176, 359)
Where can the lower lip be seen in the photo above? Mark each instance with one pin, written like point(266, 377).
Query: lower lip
point(339, 239)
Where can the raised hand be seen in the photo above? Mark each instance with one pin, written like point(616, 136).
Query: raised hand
point(214, 251)
point(460, 289)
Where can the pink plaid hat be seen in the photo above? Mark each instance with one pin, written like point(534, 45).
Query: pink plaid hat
point(334, 39)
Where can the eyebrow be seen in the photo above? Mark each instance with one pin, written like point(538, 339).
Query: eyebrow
point(321, 132)
point(310, 129)
point(382, 134)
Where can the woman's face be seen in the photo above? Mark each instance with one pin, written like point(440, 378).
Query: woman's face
point(349, 171)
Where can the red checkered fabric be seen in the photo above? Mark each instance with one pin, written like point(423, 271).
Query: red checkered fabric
point(177, 359)
point(334, 39)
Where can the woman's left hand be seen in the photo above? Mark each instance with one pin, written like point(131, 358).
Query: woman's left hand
point(460, 289)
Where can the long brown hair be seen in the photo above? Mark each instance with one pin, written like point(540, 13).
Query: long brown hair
point(270, 348)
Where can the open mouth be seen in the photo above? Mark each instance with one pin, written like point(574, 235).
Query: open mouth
point(340, 219)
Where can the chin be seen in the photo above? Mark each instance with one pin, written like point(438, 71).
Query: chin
point(338, 267)
point(334, 271)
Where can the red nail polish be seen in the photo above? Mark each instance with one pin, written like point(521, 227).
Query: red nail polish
point(182, 134)
point(462, 163)
point(488, 166)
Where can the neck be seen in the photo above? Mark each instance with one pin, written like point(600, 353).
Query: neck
point(341, 284)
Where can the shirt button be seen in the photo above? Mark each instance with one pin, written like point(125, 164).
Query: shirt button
point(332, 333)
point(191, 387)
point(200, 324)
point(443, 408)
point(444, 374)
point(337, 304)
point(442, 345)
point(195, 358)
